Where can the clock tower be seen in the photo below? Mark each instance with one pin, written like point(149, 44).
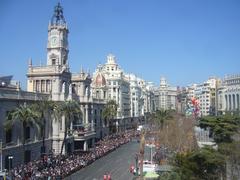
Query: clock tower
point(57, 47)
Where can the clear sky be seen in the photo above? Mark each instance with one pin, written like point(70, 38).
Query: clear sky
point(184, 40)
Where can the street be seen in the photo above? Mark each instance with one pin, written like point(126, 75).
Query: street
point(117, 163)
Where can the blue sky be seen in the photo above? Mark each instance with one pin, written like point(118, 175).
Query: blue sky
point(184, 40)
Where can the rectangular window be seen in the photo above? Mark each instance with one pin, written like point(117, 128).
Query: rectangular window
point(8, 135)
point(27, 133)
point(53, 61)
point(48, 86)
point(43, 87)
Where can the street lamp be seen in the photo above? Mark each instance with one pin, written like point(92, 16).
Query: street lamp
point(9, 162)
point(136, 158)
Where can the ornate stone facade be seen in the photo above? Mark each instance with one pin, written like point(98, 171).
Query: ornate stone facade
point(109, 82)
point(228, 95)
point(165, 96)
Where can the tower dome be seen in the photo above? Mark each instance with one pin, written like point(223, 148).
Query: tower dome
point(163, 81)
point(100, 80)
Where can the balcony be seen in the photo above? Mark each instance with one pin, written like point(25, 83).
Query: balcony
point(83, 131)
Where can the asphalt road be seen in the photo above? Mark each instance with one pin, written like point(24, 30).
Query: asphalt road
point(117, 163)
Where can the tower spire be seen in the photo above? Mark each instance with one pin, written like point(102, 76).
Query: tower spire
point(58, 18)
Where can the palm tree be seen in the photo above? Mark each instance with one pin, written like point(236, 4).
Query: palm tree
point(69, 110)
point(109, 112)
point(26, 116)
point(161, 117)
point(141, 152)
point(45, 109)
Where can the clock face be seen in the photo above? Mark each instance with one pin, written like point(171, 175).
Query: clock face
point(54, 40)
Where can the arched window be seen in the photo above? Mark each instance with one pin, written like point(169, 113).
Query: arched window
point(86, 91)
point(63, 87)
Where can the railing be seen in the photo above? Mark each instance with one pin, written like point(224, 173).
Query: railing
point(47, 69)
point(23, 95)
point(81, 130)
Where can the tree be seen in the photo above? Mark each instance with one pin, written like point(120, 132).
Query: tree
point(45, 109)
point(222, 128)
point(26, 116)
point(202, 164)
point(141, 152)
point(109, 113)
point(161, 116)
point(69, 110)
point(232, 153)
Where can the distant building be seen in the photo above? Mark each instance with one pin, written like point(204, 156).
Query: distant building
point(165, 96)
point(206, 95)
point(110, 83)
point(228, 95)
point(133, 95)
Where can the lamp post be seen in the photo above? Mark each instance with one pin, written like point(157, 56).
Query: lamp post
point(9, 162)
point(136, 158)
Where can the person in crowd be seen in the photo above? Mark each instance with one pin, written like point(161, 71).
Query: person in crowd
point(53, 167)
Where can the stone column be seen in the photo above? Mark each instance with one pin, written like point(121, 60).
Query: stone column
point(230, 102)
point(87, 111)
point(226, 103)
point(238, 103)
point(85, 147)
point(34, 86)
point(112, 93)
point(234, 101)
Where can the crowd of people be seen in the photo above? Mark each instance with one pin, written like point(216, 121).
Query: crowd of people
point(57, 167)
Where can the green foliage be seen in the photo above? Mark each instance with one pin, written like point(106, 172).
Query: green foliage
point(25, 115)
point(69, 110)
point(169, 176)
point(202, 164)
point(161, 116)
point(232, 153)
point(221, 127)
point(110, 112)
point(45, 109)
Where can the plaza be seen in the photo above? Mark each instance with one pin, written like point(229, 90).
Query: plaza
point(104, 106)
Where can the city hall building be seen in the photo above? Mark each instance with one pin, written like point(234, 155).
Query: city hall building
point(54, 81)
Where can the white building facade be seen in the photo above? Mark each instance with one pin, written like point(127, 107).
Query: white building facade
point(110, 83)
point(228, 95)
point(165, 96)
point(56, 80)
